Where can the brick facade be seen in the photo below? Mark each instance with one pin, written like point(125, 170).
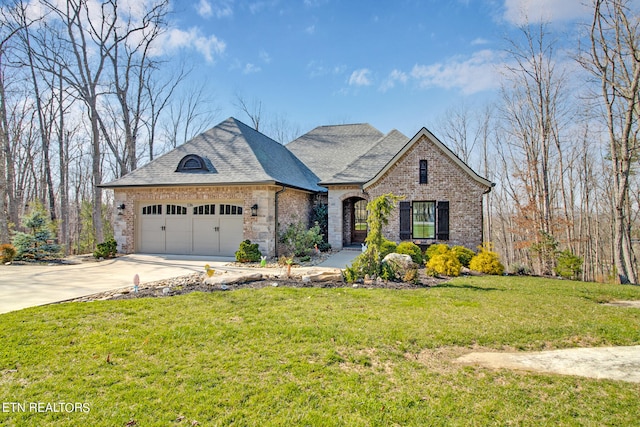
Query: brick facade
point(447, 181)
point(292, 204)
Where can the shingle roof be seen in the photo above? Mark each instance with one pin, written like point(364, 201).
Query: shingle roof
point(328, 150)
point(234, 154)
point(365, 167)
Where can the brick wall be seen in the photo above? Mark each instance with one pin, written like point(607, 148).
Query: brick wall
point(447, 181)
point(259, 229)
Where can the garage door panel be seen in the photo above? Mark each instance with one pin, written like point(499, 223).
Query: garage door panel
point(205, 230)
point(178, 230)
point(152, 229)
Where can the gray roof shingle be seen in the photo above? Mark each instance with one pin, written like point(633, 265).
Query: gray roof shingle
point(365, 167)
point(234, 154)
point(328, 150)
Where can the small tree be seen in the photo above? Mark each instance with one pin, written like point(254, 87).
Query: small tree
point(38, 242)
point(369, 262)
point(569, 266)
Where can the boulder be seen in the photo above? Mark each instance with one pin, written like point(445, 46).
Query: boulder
point(400, 263)
point(233, 278)
point(324, 276)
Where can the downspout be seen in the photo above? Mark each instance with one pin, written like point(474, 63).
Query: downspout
point(276, 219)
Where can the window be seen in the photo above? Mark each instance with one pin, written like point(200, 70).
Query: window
point(230, 210)
point(152, 210)
point(423, 172)
point(204, 210)
point(424, 220)
point(176, 210)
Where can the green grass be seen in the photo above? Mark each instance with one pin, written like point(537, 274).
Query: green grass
point(319, 357)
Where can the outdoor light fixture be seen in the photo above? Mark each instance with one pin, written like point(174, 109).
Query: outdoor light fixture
point(254, 210)
point(120, 208)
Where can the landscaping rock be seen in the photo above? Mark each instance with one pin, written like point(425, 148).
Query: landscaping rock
point(325, 276)
point(400, 263)
point(231, 279)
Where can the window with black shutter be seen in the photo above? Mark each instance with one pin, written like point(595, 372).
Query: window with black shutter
point(442, 228)
point(423, 172)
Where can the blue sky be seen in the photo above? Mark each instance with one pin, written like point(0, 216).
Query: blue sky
point(393, 64)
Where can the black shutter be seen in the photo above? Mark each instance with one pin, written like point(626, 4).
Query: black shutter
point(442, 230)
point(405, 220)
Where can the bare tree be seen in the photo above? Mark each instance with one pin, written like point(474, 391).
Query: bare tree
point(190, 114)
point(253, 110)
point(614, 60)
point(6, 164)
point(532, 107)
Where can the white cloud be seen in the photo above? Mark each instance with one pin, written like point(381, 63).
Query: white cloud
point(479, 41)
point(396, 76)
point(471, 75)
point(264, 56)
point(318, 69)
point(311, 29)
point(360, 77)
point(219, 9)
point(250, 69)
point(520, 12)
point(208, 46)
point(204, 9)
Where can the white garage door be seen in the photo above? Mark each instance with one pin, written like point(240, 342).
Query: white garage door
point(191, 228)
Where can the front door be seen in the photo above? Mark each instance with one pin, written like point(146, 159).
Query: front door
point(359, 221)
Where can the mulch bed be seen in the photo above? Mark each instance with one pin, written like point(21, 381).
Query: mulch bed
point(195, 283)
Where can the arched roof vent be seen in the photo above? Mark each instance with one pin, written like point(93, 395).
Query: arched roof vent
point(192, 163)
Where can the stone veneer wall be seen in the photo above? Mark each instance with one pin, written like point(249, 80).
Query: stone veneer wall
point(337, 216)
point(446, 182)
point(293, 206)
point(259, 229)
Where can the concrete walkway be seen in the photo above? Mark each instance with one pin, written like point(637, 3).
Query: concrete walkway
point(614, 363)
point(23, 286)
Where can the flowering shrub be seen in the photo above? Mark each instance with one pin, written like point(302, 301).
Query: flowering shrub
point(487, 262)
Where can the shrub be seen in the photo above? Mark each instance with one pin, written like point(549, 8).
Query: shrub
point(299, 240)
point(107, 249)
point(387, 247)
point(569, 265)
point(487, 262)
point(463, 254)
point(445, 263)
point(7, 252)
point(38, 242)
point(435, 249)
point(410, 248)
point(519, 269)
point(248, 252)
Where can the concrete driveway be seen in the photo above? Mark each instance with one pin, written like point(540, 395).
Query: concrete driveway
point(30, 285)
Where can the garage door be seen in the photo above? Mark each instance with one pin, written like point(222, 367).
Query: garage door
point(191, 228)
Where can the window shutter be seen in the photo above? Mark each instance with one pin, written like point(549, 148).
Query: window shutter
point(442, 231)
point(405, 220)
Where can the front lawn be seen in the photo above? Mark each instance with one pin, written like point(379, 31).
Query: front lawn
point(318, 357)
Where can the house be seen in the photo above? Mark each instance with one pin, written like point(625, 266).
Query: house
point(233, 183)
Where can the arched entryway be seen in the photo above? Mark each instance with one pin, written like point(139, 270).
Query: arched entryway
point(354, 211)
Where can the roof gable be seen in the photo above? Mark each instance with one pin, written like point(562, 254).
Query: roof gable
point(424, 132)
point(233, 153)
